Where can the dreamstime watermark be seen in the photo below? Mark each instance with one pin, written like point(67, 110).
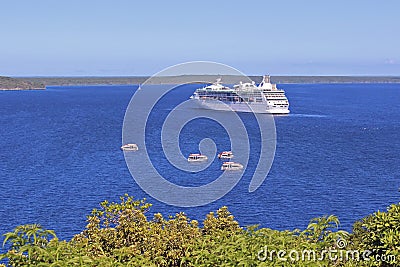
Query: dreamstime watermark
point(137, 122)
point(338, 253)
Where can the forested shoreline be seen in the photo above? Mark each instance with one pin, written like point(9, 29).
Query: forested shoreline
point(28, 83)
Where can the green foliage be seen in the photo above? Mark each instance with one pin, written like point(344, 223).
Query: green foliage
point(28, 235)
point(324, 230)
point(223, 223)
point(380, 233)
point(120, 234)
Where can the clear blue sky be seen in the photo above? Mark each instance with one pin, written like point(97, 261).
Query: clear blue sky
point(126, 37)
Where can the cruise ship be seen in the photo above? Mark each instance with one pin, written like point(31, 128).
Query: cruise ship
point(243, 97)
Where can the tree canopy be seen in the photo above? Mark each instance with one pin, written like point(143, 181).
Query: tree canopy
point(120, 234)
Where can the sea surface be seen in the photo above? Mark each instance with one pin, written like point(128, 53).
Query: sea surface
point(338, 152)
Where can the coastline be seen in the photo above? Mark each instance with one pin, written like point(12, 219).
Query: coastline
point(40, 83)
point(21, 89)
point(120, 80)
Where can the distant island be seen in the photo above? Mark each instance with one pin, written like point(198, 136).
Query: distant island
point(30, 83)
point(8, 83)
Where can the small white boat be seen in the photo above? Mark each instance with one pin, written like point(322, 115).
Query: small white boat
point(231, 166)
point(225, 155)
point(197, 158)
point(130, 147)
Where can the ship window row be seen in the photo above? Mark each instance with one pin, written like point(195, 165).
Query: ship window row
point(232, 99)
point(252, 95)
point(216, 95)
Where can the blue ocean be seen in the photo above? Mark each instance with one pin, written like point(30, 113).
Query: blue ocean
point(338, 152)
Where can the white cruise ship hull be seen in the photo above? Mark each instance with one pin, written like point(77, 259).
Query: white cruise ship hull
point(244, 97)
point(240, 107)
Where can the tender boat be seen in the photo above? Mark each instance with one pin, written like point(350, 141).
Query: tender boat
point(225, 155)
point(231, 166)
point(130, 147)
point(197, 158)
